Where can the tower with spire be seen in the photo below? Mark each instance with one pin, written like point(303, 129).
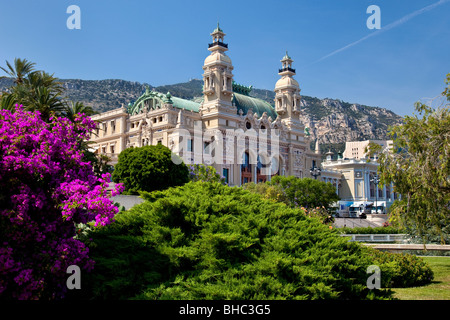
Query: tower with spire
point(287, 106)
point(287, 92)
point(217, 75)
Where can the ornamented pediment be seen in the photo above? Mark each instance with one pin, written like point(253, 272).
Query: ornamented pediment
point(150, 100)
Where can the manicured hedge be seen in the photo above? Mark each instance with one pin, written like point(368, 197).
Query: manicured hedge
point(370, 230)
point(400, 270)
point(209, 241)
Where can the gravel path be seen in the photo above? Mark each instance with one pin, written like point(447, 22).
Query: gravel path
point(127, 201)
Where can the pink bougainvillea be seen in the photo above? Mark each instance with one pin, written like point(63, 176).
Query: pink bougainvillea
point(45, 189)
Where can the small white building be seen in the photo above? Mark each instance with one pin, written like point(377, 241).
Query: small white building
point(358, 190)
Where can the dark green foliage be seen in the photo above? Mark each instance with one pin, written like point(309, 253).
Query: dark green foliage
point(202, 172)
point(306, 192)
point(103, 95)
point(149, 168)
point(419, 167)
point(295, 192)
point(210, 241)
point(400, 270)
point(370, 230)
point(186, 90)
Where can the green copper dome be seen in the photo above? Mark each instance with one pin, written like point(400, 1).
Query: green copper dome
point(185, 104)
point(258, 106)
point(151, 100)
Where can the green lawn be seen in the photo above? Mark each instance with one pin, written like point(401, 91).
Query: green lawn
point(439, 289)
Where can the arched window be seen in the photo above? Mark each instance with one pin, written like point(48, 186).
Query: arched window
point(246, 169)
point(246, 161)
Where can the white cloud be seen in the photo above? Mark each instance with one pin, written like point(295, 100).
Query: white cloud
point(386, 28)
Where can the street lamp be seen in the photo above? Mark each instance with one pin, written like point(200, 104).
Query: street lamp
point(315, 171)
point(376, 180)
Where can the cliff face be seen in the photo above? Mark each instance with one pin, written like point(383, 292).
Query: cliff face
point(333, 121)
point(339, 121)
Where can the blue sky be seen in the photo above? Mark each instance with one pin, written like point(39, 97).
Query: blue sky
point(165, 42)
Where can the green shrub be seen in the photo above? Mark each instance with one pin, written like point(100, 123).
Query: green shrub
point(210, 241)
point(306, 192)
point(313, 196)
point(202, 172)
point(149, 168)
point(399, 270)
point(370, 230)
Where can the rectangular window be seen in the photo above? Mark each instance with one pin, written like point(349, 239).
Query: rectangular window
point(359, 190)
point(190, 145)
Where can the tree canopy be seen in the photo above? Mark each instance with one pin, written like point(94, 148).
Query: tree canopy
point(149, 168)
point(419, 167)
point(314, 196)
point(38, 90)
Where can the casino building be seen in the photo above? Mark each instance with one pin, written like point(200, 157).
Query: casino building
point(246, 139)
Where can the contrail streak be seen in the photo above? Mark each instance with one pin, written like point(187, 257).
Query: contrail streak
point(386, 28)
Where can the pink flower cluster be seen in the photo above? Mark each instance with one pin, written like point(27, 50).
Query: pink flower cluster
point(45, 189)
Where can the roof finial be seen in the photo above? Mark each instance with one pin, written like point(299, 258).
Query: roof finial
point(218, 27)
point(286, 57)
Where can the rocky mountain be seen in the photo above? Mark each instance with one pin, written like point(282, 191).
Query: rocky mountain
point(102, 95)
point(332, 121)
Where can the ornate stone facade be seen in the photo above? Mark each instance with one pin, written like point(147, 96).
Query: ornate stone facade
point(244, 138)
